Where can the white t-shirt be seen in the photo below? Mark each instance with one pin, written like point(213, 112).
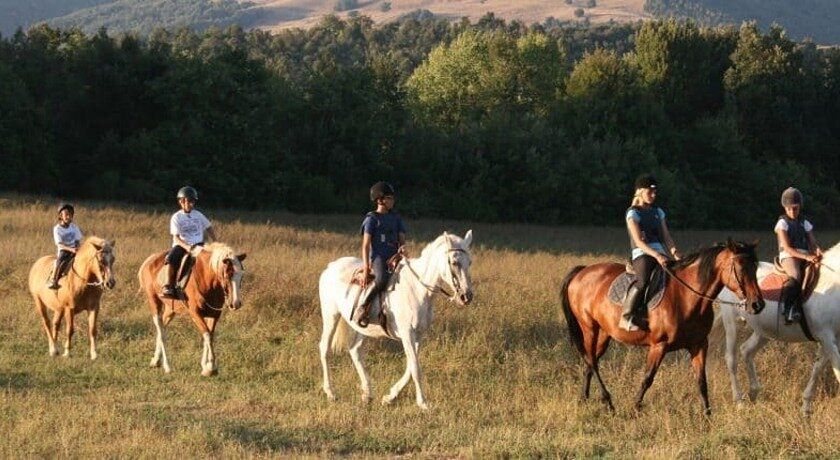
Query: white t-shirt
point(190, 227)
point(68, 236)
point(783, 225)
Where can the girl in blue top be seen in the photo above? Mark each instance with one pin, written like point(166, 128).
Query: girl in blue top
point(650, 243)
point(383, 233)
point(797, 245)
point(67, 237)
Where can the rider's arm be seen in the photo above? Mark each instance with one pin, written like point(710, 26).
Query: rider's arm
point(366, 239)
point(636, 234)
point(64, 247)
point(668, 240)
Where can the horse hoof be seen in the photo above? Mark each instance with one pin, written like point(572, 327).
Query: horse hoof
point(422, 405)
point(154, 363)
point(93, 356)
point(366, 399)
point(330, 395)
point(753, 394)
point(208, 372)
point(167, 369)
point(53, 352)
point(66, 353)
point(387, 400)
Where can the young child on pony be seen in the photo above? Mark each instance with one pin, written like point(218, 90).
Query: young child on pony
point(797, 246)
point(67, 237)
point(187, 227)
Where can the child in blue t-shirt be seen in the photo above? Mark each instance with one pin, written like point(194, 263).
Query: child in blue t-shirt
point(383, 233)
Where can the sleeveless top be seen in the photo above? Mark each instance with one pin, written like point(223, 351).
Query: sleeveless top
point(797, 232)
point(650, 225)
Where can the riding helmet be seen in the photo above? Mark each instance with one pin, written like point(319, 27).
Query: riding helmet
point(645, 181)
point(380, 190)
point(791, 196)
point(188, 193)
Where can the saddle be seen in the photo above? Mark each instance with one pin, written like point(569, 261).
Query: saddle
point(183, 276)
point(771, 285)
point(655, 291)
point(65, 269)
point(376, 306)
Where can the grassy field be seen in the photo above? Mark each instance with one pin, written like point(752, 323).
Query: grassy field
point(501, 377)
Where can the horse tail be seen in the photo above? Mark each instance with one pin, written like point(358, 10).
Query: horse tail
point(343, 337)
point(575, 332)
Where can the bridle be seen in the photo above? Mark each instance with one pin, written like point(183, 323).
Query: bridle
point(227, 286)
point(454, 283)
point(101, 281)
point(742, 291)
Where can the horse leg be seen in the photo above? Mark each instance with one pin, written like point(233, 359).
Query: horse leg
point(808, 394)
point(206, 352)
point(698, 363)
point(211, 324)
point(603, 341)
point(70, 317)
point(92, 316)
point(41, 308)
point(587, 380)
point(398, 386)
point(58, 315)
point(160, 345)
point(654, 359)
point(357, 355)
point(329, 323)
point(595, 345)
point(748, 350)
point(412, 350)
point(730, 328)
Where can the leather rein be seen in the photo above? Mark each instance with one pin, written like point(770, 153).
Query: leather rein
point(741, 304)
point(436, 289)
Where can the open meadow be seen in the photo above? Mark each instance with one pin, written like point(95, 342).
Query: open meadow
point(500, 375)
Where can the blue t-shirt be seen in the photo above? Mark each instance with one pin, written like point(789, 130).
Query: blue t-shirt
point(656, 246)
point(384, 230)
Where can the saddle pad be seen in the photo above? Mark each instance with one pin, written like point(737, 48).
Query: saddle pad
point(184, 273)
point(771, 286)
point(653, 297)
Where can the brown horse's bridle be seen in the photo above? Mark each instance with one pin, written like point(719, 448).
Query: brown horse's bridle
point(743, 292)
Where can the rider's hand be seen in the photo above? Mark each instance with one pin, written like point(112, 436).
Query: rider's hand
point(661, 259)
point(676, 254)
point(365, 275)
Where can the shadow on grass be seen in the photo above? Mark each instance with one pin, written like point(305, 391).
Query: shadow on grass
point(254, 435)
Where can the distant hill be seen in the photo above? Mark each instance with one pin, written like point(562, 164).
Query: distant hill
point(817, 19)
point(802, 18)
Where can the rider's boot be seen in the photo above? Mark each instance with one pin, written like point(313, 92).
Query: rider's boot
point(168, 290)
point(629, 322)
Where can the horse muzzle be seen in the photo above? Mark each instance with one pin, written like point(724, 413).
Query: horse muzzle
point(466, 298)
point(111, 283)
point(757, 306)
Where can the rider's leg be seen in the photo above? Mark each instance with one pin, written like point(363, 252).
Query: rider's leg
point(62, 259)
point(380, 282)
point(173, 262)
point(634, 302)
point(792, 289)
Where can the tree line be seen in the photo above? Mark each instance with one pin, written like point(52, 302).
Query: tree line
point(487, 120)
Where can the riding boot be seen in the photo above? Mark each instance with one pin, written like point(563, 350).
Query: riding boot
point(790, 297)
point(169, 289)
point(59, 267)
point(628, 314)
point(364, 311)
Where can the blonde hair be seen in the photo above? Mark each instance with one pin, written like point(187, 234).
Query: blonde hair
point(637, 198)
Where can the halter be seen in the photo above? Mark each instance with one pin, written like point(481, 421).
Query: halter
point(740, 304)
point(454, 283)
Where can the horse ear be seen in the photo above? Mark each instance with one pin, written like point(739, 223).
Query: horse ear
point(98, 247)
point(241, 257)
point(468, 239)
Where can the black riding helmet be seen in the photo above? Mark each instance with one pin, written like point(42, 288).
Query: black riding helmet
point(188, 193)
point(68, 207)
point(791, 196)
point(380, 190)
point(645, 181)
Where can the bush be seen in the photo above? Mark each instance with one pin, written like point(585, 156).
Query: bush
point(579, 13)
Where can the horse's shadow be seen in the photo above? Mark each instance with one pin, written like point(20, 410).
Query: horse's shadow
point(17, 381)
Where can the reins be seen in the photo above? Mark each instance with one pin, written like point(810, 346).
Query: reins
point(437, 289)
point(740, 304)
point(99, 283)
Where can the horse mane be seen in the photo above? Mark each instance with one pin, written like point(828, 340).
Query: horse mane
point(455, 240)
point(218, 253)
point(832, 256)
point(707, 257)
point(90, 243)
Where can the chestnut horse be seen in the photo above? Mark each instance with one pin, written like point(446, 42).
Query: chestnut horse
point(681, 321)
point(81, 289)
point(215, 283)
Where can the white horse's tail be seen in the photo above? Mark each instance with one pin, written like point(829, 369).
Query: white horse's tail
point(343, 337)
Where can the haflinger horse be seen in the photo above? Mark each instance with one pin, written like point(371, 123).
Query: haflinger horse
point(215, 283)
point(682, 320)
point(822, 314)
point(91, 272)
point(444, 265)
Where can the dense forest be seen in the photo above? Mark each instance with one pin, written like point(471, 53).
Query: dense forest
point(489, 120)
point(816, 19)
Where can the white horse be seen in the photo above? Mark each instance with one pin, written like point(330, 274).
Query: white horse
point(444, 265)
point(822, 311)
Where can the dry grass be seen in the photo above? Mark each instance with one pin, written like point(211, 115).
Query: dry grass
point(281, 14)
point(500, 375)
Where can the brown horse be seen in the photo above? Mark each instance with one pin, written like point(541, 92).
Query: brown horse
point(215, 282)
point(681, 321)
point(90, 274)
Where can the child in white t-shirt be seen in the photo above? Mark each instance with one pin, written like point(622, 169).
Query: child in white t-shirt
point(797, 245)
point(187, 227)
point(67, 237)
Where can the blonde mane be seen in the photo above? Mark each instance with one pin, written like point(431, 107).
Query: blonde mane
point(90, 243)
point(218, 253)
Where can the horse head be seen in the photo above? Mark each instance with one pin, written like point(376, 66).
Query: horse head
point(740, 276)
point(229, 270)
point(452, 260)
point(100, 251)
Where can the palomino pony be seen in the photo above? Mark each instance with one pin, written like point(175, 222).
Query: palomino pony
point(681, 321)
point(215, 283)
point(81, 289)
point(443, 265)
point(822, 313)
